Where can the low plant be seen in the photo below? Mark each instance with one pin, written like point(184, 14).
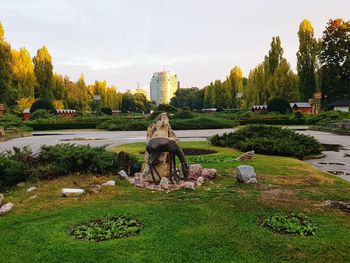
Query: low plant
point(106, 229)
point(290, 224)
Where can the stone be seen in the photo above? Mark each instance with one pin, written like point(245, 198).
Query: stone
point(72, 192)
point(1, 199)
point(139, 181)
point(164, 183)
point(195, 171)
point(32, 197)
point(246, 156)
point(246, 174)
point(188, 185)
point(6, 208)
point(31, 189)
point(95, 189)
point(200, 181)
point(343, 206)
point(209, 174)
point(21, 184)
point(123, 174)
point(109, 183)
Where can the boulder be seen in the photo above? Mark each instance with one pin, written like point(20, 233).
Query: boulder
point(343, 206)
point(1, 199)
point(109, 183)
point(72, 192)
point(188, 185)
point(6, 208)
point(200, 181)
point(245, 174)
point(95, 189)
point(123, 174)
point(21, 184)
point(31, 189)
point(164, 183)
point(195, 171)
point(209, 174)
point(139, 181)
point(32, 197)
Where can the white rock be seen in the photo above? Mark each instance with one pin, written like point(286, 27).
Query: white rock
point(164, 183)
point(1, 199)
point(122, 173)
point(72, 192)
point(200, 181)
point(32, 197)
point(21, 184)
point(246, 174)
point(31, 189)
point(109, 183)
point(6, 208)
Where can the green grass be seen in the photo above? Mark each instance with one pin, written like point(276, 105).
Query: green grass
point(216, 223)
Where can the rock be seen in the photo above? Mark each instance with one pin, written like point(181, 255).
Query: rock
point(209, 174)
point(188, 185)
point(21, 184)
point(1, 199)
point(95, 189)
point(123, 174)
point(245, 174)
point(164, 183)
point(6, 208)
point(32, 197)
point(109, 183)
point(31, 189)
point(343, 206)
point(195, 171)
point(139, 181)
point(72, 192)
point(246, 156)
point(200, 181)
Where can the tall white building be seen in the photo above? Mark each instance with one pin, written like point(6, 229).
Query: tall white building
point(163, 87)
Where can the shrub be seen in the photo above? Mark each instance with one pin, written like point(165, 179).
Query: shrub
point(291, 224)
point(184, 114)
point(279, 105)
point(10, 121)
point(11, 171)
point(166, 108)
point(106, 229)
point(201, 123)
point(106, 110)
point(269, 140)
point(41, 114)
point(43, 104)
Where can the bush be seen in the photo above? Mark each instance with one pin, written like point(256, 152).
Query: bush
point(41, 114)
point(43, 104)
point(279, 105)
point(106, 110)
point(291, 224)
point(10, 121)
point(11, 171)
point(166, 108)
point(201, 123)
point(184, 114)
point(269, 140)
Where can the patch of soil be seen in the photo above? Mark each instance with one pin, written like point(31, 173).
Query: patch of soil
point(194, 151)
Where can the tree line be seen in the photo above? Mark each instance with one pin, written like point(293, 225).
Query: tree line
point(24, 79)
point(323, 65)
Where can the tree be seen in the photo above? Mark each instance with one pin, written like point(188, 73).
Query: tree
point(335, 60)
point(275, 55)
point(77, 94)
point(256, 91)
point(44, 75)
point(188, 97)
point(306, 60)
point(236, 79)
point(280, 105)
point(44, 105)
point(23, 80)
point(58, 88)
point(7, 93)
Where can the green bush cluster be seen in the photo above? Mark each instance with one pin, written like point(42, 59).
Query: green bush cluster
point(106, 229)
point(201, 123)
point(291, 224)
point(269, 140)
point(10, 121)
point(54, 161)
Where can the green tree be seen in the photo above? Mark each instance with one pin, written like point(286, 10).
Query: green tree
point(44, 75)
point(275, 55)
point(23, 79)
point(7, 93)
point(335, 60)
point(77, 95)
point(307, 60)
point(58, 87)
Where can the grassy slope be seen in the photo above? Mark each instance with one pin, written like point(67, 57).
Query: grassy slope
point(216, 223)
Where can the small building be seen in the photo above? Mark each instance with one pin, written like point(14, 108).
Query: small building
point(26, 114)
point(66, 112)
point(303, 107)
point(259, 108)
point(340, 105)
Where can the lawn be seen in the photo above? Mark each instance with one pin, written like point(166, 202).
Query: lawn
point(216, 223)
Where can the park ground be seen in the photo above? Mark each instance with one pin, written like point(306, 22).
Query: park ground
point(218, 222)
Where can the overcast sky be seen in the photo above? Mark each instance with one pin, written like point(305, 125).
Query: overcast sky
point(125, 41)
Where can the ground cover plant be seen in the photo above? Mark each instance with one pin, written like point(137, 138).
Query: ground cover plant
point(215, 223)
point(269, 140)
point(106, 229)
point(291, 224)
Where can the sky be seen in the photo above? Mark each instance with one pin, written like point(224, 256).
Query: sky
point(126, 41)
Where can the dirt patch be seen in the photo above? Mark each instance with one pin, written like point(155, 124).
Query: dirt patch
point(194, 151)
point(284, 198)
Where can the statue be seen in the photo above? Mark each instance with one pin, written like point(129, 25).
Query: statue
point(155, 147)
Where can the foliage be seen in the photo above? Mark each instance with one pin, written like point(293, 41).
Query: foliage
point(106, 110)
point(184, 114)
point(42, 104)
point(58, 104)
point(41, 114)
point(201, 123)
point(11, 171)
point(166, 108)
point(192, 98)
point(106, 229)
point(211, 159)
point(10, 121)
point(291, 224)
point(269, 140)
point(22, 104)
point(280, 105)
